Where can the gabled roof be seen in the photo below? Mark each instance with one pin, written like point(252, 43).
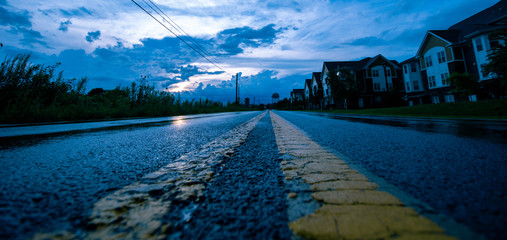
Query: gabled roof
point(412, 59)
point(346, 64)
point(308, 84)
point(449, 36)
point(316, 75)
point(372, 60)
point(485, 20)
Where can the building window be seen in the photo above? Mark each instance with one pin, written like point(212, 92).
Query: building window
point(415, 84)
point(441, 57)
point(435, 99)
point(444, 77)
point(478, 44)
point(375, 72)
point(429, 62)
point(378, 99)
point(388, 72)
point(431, 81)
point(408, 86)
point(413, 67)
point(472, 98)
point(376, 86)
point(449, 98)
point(405, 68)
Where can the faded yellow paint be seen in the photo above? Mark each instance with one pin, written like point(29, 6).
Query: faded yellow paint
point(353, 208)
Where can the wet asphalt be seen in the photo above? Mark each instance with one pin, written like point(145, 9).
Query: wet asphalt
point(247, 198)
point(460, 176)
point(50, 182)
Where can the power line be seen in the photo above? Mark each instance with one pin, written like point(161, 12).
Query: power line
point(202, 55)
point(182, 32)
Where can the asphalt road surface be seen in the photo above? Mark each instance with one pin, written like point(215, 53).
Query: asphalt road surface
point(52, 175)
point(457, 167)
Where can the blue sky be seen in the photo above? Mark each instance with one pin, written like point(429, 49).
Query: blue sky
point(274, 44)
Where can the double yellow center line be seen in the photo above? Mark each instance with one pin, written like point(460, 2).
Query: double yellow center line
point(352, 207)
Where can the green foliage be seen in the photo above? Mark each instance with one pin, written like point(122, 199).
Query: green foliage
point(34, 93)
point(497, 61)
point(465, 84)
point(342, 86)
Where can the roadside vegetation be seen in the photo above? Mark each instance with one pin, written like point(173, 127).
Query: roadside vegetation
point(485, 109)
point(37, 93)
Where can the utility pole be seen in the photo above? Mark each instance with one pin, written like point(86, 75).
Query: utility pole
point(237, 100)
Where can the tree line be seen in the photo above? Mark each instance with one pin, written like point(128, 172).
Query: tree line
point(37, 93)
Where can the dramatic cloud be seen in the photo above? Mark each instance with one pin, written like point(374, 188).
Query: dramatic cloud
point(275, 44)
point(29, 36)
point(21, 18)
point(92, 36)
point(64, 26)
point(236, 39)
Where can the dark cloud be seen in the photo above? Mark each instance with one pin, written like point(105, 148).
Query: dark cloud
point(92, 36)
point(64, 26)
point(368, 41)
point(189, 71)
point(19, 19)
point(30, 36)
point(236, 39)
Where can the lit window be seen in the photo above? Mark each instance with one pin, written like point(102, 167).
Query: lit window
point(478, 44)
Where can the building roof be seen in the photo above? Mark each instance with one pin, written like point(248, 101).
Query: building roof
point(347, 64)
point(450, 36)
point(308, 83)
point(412, 59)
point(300, 91)
point(486, 20)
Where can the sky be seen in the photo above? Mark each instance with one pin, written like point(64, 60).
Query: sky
point(274, 45)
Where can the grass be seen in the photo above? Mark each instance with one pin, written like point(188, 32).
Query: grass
point(486, 109)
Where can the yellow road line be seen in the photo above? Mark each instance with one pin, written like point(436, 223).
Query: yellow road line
point(352, 207)
point(137, 210)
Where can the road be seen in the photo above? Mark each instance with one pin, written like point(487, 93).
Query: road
point(217, 176)
point(457, 167)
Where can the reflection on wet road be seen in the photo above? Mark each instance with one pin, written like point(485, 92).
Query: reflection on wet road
point(51, 181)
point(491, 130)
point(457, 167)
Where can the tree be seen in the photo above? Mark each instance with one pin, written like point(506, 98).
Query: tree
point(342, 85)
point(497, 61)
point(465, 84)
